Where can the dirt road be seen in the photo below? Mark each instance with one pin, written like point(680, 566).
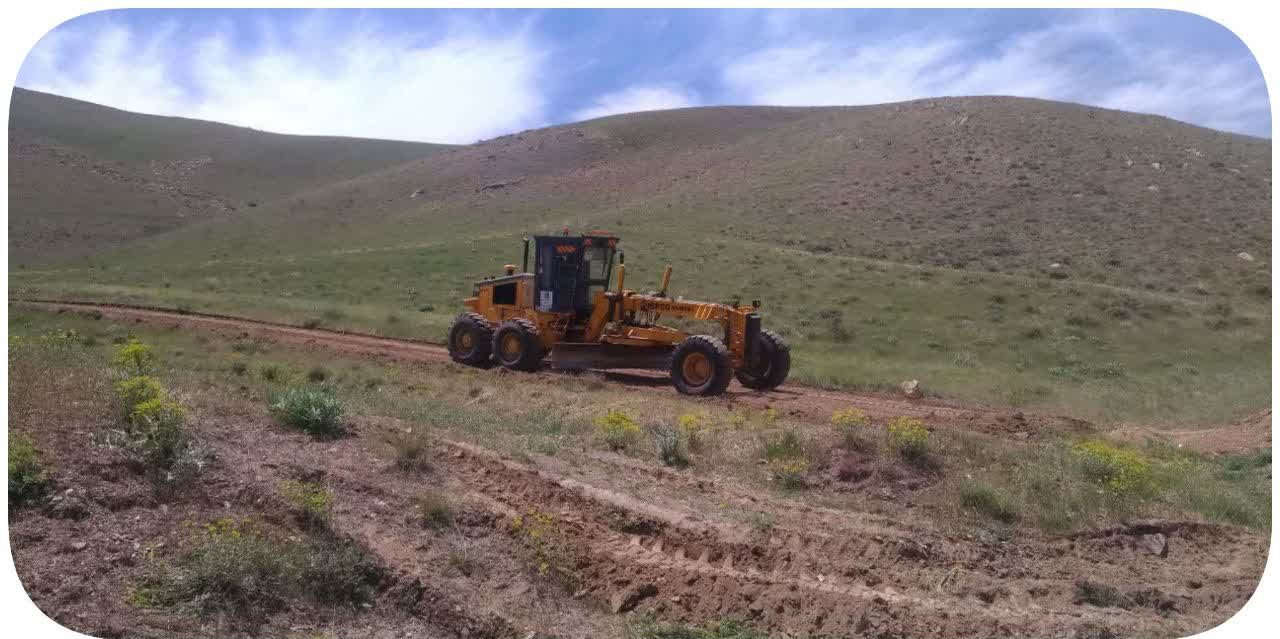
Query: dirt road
point(800, 401)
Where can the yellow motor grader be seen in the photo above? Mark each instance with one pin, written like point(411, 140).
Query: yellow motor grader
point(567, 308)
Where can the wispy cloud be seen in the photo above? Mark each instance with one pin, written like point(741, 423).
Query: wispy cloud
point(1094, 60)
point(634, 99)
point(447, 76)
point(309, 77)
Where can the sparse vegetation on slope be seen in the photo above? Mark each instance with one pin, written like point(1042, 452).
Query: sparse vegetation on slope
point(1001, 250)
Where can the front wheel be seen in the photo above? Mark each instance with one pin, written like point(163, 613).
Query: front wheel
point(770, 363)
point(700, 365)
point(470, 340)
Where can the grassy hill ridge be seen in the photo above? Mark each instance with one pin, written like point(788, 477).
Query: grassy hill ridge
point(86, 178)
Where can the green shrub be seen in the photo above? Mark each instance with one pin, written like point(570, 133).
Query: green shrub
point(618, 430)
point(693, 427)
point(271, 372)
point(1120, 470)
point(239, 367)
point(411, 448)
point(135, 390)
point(1099, 594)
point(312, 503)
point(334, 572)
point(851, 425)
point(232, 569)
point(789, 472)
point(787, 458)
point(986, 500)
point(156, 430)
point(434, 511)
point(237, 570)
point(28, 481)
point(909, 438)
point(315, 410)
point(646, 627)
point(670, 445)
point(784, 445)
point(318, 374)
point(135, 357)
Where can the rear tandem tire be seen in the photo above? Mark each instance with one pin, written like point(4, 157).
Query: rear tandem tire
point(517, 346)
point(772, 365)
point(471, 340)
point(700, 365)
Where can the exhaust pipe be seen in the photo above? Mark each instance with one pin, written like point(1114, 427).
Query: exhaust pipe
point(525, 264)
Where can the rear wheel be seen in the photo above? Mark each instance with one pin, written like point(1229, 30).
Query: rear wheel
point(700, 365)
point(471, 340)
point(770, 365)
point(516, 345)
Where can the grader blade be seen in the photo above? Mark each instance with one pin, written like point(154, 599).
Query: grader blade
point(585, 356)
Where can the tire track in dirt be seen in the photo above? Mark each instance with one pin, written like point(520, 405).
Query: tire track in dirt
point(801, 401)
point(829, 572)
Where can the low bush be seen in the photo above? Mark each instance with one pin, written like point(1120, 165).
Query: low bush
point(156, 432)
point(135, 357)
point(28, 480)
point(670, 445)
point(784, 445)
point(312, 503)
point(1099, 594)
point(789, 472)
point(318, 374)
point(908, 437)
point(693, 428)
point(851, 425)
point(987, 501)
point(272, 372)
point(1120, 470)
point(411, 449)
point(235, 569)
point(434, 510)
point(132, 391)
point(617, 430)
point(315, 410)
point(646, 627)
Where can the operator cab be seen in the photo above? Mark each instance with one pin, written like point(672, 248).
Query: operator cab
point(570, 270)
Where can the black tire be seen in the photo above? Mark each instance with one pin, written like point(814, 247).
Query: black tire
point(771, 366)
point(471, 340)
point(517, 346)
point(700, 365)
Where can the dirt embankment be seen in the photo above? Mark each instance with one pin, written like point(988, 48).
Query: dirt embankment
point(558, 551)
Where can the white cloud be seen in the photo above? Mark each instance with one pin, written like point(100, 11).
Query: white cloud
point(638, 98)
point(310, 78)
point(1092, 61)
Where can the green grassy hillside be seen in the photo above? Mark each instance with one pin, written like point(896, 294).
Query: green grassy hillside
point(85, 178)
point(1011, 251)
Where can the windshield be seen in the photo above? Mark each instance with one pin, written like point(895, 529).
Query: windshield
point(597, 264)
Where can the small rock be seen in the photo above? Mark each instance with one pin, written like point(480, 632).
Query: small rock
point(1155, 165)
point(911, 388)
point(1156, 544)
point(1153, 188)
point(79, 545)
point(1244, 256)
point(1056, 265)
point(627, 599)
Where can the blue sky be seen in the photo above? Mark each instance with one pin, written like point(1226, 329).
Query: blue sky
point(461, 76)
